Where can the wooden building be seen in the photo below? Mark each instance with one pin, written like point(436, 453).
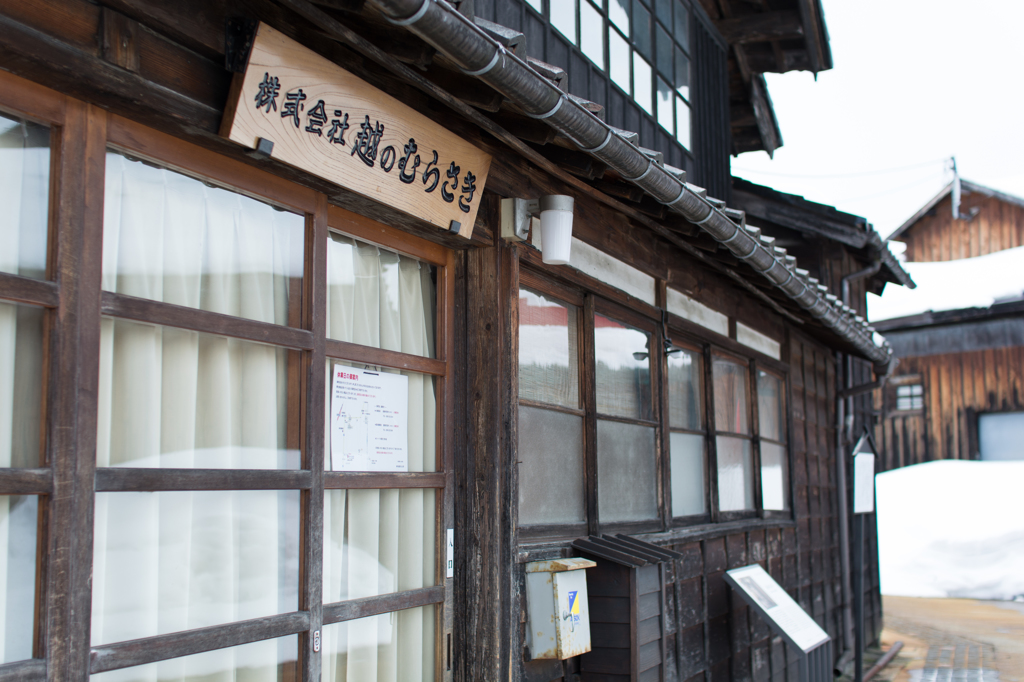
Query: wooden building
point(221, 219)
point(958, 391)
point(988, 221)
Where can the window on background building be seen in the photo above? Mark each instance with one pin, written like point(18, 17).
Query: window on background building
point(909, 397)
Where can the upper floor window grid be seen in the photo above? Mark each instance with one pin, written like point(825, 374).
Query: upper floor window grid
point(643, 46)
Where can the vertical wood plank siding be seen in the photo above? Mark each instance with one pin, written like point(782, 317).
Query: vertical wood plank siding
point(938, 237)
point(957, 388)
point(711, 131)
point(585, 80)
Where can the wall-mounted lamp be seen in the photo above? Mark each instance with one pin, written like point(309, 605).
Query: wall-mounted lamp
point(555, 213)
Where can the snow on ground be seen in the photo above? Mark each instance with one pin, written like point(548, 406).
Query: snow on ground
point(952, 529)
point(943, 285)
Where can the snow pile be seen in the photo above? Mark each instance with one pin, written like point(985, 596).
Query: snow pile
point(952, 529)
point(949, 285)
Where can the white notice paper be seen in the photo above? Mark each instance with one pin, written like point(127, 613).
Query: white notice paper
point(777, 606)
point(369, 424)
point(863, 483)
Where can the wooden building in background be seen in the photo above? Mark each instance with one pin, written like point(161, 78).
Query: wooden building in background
point(958, 391)
point(201, 240)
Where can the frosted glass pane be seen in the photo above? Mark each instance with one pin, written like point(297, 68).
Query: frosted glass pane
point(170, 561)
point(627, 479)
point(642, 28)
point(663, 52)
point(682, 25)
point(685, 396)
point(682, 76)
point(731, 406)
point(642, 94)
point(536, 4)
point(378, 542)
point(25, 196)
point(623, 375)
point(1001, 436)
point(548, 350)
point(391, 646)
point(21, 384)
point(735, 474)
point(618, 12)
point(774, 477)
point(666, 116)
point(592, 34)
point(550, 467)
point(19, 519)
point(618, 60)
point(771, 413)
point(269, 659)
point(563, 18)
point(687, 454)
point(682, 122)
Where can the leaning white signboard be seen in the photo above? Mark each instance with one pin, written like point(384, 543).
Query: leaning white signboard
point(776, 606)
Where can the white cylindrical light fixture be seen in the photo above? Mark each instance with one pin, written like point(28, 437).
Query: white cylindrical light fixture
point(556, 228)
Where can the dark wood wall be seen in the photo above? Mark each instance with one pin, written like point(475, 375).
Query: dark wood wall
point(938, 237)
point(717, 633)
point(957, 386)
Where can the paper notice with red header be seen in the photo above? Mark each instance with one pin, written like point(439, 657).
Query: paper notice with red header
point(369, 421)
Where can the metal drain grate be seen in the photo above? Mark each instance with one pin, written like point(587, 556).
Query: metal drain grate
point(962, 662)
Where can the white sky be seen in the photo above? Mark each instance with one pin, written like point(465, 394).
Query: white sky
point(914, 82)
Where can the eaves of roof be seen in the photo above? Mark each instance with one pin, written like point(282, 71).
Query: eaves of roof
point(965, 186)
point(478, 54)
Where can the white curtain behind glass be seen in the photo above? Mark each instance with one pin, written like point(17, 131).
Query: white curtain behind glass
point(24, 196)
point(174, 398)
point(381, 541)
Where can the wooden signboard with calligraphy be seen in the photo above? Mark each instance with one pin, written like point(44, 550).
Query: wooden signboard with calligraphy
point(326, 121)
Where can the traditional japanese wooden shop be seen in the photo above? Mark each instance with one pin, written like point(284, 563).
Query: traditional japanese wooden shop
point(288, 390)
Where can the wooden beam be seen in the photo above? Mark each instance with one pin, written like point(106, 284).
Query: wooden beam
point(28, 290)
point(372, 606)
point(151, 649)
point(155, 312)
point(767, 125)
point(32, 670)
point(371, 480)
point(25, 482)
point(124, 479)
point(764, 26)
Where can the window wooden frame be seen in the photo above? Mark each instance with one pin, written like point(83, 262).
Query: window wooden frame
point(784, 397)
point(529, 279)
point(67, 477)
point(596, 297)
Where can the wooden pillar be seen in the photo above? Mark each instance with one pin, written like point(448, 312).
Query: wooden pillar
point(72, 406)
point(487, 578)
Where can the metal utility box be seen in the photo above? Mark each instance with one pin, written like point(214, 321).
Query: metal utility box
point(558, 608)
point(632, 625)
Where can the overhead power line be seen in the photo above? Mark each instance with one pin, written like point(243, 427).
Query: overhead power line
point(863, 174)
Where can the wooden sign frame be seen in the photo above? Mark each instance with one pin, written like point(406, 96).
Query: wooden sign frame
point(304, 110)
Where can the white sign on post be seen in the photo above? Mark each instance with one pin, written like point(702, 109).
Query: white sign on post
point(762, 592)
point(369, 424)
point(863, 483)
